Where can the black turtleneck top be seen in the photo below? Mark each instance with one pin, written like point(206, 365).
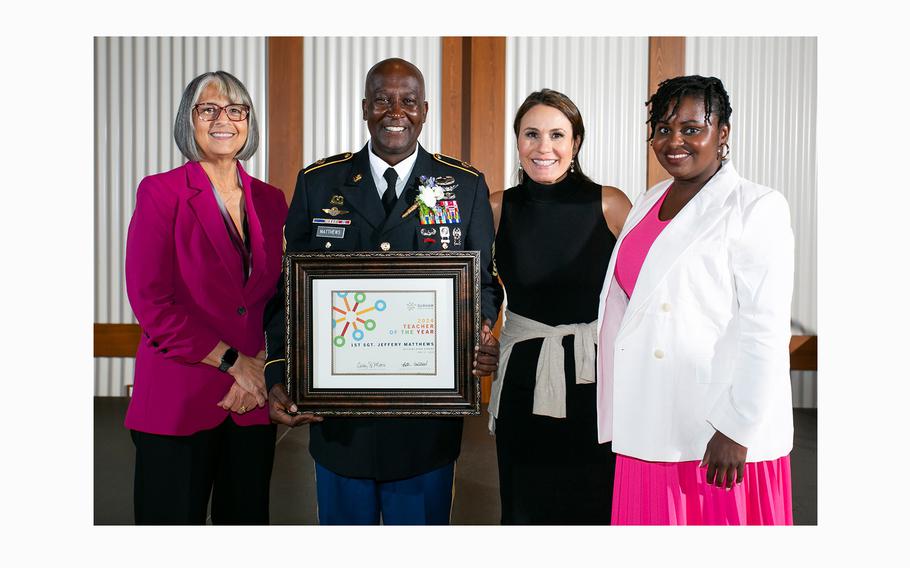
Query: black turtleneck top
point(552, 250)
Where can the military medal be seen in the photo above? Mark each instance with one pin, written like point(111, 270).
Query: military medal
point(335, 211)
point(448, 211)
point(456, 236)
point(444, 236)
point(448, 185)
point(321, 221)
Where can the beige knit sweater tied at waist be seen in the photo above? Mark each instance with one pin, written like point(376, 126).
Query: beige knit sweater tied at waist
point(550, 379)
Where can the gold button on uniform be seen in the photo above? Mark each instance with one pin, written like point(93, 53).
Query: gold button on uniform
point(658, 354)
point(385, 245)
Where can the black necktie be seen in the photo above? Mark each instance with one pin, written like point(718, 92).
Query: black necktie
point(389, 197)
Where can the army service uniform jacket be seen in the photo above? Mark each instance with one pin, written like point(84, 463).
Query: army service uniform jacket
point(382, 448)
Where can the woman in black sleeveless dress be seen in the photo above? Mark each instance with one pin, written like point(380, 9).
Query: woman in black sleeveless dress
point(556, 232)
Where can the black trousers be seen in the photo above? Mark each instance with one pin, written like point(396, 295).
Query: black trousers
point(552, 471)
point(176, 474)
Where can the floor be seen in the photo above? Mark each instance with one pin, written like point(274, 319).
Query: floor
point(293, 499)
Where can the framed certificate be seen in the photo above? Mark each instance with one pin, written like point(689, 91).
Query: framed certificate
point(388, 333)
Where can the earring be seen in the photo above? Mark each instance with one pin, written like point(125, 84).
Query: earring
point(723, 151)
point(572, 166)
point(521, 174)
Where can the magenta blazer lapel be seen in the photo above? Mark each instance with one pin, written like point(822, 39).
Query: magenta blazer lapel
point(252, 203)
point(206, 209)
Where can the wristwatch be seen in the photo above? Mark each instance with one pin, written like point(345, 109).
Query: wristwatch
point(228, 359)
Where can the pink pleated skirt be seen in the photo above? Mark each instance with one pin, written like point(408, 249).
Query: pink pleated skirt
point(662, 493)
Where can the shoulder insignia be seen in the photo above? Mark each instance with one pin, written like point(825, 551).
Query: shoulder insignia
point(456, 163)
point(338, 158)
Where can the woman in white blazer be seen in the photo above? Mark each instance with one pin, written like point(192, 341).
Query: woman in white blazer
point(694, 330)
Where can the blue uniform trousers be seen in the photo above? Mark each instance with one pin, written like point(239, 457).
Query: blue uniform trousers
point(424, 499)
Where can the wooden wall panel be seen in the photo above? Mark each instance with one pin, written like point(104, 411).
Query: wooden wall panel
point(488, 107)
point(453, 95)
point(116, 339)
point(666, 59)
point(804, 353)
point(285, 109)
point(485, 74)
point(121, 340)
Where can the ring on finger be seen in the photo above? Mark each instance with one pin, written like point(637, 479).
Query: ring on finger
point(242, 409)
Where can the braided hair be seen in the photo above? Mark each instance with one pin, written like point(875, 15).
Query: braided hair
point(709, 89)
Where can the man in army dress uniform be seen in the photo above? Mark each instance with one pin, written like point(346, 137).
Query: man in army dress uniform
point(397, 469)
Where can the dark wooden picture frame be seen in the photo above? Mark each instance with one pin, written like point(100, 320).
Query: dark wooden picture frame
point(462, 268)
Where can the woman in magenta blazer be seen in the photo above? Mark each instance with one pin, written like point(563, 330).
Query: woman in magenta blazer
point(203, 257)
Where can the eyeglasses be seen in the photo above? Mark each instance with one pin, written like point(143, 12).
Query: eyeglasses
point(209, 112)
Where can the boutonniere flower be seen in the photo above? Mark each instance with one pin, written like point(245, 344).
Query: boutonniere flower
point(428, 193)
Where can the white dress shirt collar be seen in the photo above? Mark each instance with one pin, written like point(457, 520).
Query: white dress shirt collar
point(378, 166)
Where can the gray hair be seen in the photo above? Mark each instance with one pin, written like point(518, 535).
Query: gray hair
point(230, 87)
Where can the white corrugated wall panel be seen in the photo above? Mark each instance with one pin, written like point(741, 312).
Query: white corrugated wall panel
point(138, 84)
point(607, 79)
point(334, 70)
point(772, 84)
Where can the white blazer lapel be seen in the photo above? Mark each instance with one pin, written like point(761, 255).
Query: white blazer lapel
point(698, 217)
